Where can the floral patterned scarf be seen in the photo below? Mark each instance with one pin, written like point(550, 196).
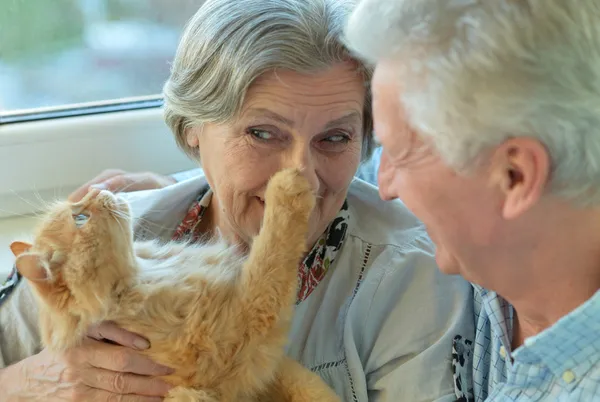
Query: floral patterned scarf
point(312, 269)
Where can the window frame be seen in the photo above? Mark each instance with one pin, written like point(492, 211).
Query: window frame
point(80, 109)
point(47, 153)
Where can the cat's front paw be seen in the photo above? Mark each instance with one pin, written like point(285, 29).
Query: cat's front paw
point(290, 189)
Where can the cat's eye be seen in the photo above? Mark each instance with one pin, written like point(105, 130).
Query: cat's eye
point(80, 219)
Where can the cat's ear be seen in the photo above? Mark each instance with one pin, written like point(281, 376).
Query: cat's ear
point(19, 247)
point(32, 267)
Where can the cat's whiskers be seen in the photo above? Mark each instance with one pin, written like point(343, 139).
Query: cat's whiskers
point(35, 215)
point(116, 215)
point(38, 196)
point(146, 224)
point(36, 208)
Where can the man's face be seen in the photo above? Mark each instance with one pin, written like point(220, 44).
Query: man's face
point(462, 213)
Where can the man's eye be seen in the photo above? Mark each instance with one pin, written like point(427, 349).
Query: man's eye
point(80, 219)
point(260, 134)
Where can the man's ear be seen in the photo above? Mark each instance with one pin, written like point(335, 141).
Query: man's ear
point(523, 168)
point(19, 247)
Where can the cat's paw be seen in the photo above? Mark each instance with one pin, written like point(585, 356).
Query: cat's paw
point(290, 189)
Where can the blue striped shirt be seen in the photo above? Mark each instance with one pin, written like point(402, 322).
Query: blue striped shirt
point(562, 363)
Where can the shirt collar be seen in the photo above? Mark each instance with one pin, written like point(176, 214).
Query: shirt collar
point(569, 347)
point(500, 313)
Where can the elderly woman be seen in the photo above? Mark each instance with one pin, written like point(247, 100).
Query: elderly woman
point(258, 86)
point(489, 115)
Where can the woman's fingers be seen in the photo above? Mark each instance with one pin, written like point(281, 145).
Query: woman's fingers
point(124, 383)
point(119, 358)
point(110, 331)
point(98, 395)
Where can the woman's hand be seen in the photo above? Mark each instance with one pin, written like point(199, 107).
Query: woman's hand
point(93, 372)
point(121, 181)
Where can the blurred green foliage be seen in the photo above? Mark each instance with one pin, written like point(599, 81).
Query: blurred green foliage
point(38, 27)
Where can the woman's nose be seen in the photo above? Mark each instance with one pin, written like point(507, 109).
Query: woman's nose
point(303, 160)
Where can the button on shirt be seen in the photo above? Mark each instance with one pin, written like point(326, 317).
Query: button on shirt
point(561, 363)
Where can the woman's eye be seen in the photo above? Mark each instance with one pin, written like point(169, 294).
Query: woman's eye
point(260, 134)
point(80, 219)
point(343, 138)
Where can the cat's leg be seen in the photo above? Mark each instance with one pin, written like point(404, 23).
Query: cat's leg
point(295, 383)
point(59, 332)
point(182, 394)
point(269, 276)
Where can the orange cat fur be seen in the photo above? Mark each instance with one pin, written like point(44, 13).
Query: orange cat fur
point(219, 318)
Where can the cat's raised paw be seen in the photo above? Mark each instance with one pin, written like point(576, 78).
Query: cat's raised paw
point(289, 188)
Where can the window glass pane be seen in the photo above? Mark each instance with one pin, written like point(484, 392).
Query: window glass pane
point(57, 52)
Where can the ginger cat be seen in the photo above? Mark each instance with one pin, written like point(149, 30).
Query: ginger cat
point(219, 318)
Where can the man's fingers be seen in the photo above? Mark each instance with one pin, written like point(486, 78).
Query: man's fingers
point(124, 383)
point(137, 181)
point(119, 358)
point(110, 331)
point(120, 181)
point(105, 175)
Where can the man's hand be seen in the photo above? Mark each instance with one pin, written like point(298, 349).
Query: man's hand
point(121, 181)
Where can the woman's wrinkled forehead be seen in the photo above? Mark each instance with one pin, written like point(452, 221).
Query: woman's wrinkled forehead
point(336, 92)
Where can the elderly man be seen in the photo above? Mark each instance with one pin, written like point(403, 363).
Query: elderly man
point(489, 116)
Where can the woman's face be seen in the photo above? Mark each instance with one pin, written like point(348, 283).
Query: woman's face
point(313, 122)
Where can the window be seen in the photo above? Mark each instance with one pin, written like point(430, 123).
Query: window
point(83, 59)
point(63, 52)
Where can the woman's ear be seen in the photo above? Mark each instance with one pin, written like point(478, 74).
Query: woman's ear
point(191, 137)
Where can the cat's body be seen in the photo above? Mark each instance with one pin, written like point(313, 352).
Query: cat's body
point(219, 318)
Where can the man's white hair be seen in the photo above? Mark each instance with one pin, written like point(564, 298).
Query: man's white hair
point(477, 72)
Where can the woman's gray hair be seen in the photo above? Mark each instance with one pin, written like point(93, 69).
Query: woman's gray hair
point(475, 73)
point(229, 43)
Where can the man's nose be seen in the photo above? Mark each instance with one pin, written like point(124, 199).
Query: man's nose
point(384, 178)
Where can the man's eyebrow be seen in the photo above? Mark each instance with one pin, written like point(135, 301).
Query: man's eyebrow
point(353, 117)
